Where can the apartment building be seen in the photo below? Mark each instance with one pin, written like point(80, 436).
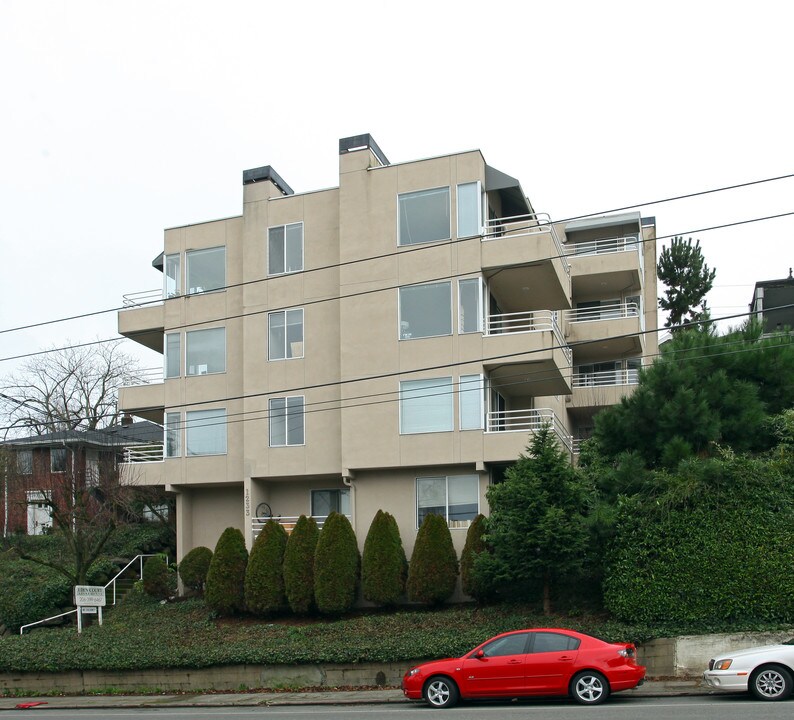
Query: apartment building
point(773, 303)
point(391, 342)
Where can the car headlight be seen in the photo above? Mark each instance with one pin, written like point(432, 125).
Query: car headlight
point(722, 664)
point(413, 672)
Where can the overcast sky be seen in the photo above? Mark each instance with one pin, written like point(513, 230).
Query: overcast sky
point(122, 119)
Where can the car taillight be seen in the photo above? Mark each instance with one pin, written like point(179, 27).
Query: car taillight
point(626, 652)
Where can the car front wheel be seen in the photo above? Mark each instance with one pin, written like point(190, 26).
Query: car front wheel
point(772, 682)
point(441, 692)
point(589, 688)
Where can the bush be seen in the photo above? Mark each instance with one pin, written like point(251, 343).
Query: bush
point(156, 581)
point(264, 576)
point(336, 566)
point(30, 592)
point(194, 567)
point(473, 547)
point(224, 592)
point(433, 570)
point(383, 567)
point(299, 565)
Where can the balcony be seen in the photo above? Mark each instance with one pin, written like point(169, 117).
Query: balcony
point(146, 398)
point(605, 331)
point(595, 390)
point(143, 454)
point(527, 351)
point(507, 432)
point(608, 265)
point(142, 320)
point(523, 252)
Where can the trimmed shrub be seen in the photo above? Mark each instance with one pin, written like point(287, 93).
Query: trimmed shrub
point(264, 576)
point(156, 581)
point(224, 592)
point(473, 547)
point(194, 567)
point(433, 570)
point(299, 565)
point(383, 567)
point(336, 566)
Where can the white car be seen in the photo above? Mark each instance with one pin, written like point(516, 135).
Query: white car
point(766, 671)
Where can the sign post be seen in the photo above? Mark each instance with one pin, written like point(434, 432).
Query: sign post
point(88, 599)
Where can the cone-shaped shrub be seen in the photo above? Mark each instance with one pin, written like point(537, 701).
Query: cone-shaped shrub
point(470, 584)
point(433, 570)
point(264, 576)
point(383, 567)
point(299, 565)
point(336, 566)
point(226, 575)
point(155, 578)
point(193, 568)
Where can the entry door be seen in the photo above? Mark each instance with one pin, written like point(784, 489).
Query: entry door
point(500, 670)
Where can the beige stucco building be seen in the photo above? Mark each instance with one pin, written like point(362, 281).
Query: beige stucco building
point(388, 343)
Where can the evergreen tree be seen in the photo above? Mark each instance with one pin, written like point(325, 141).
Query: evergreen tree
point(433, 570)
point(384, 567)
point(264, 576)
point(682, 268)
point(226, 575)
point(194, 567)
point(475, 545)
point(336, 566)
point(155, 578)
point(299, 565)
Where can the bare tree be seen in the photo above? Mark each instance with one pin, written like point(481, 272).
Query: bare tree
point(67, 389)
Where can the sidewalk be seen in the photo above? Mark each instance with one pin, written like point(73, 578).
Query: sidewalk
point(652, 688)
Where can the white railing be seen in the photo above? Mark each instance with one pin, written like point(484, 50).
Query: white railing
point(527, 420)
point(146, 376)
point(111, 585)
point(606, 378)
point(603, 246)
point(532, 321)
point(288, 521)
point(143, 453)
point(603, 312)
point(523, 225)
point(145, 297)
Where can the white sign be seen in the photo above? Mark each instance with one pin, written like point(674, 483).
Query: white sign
point(89, 610)
point(89, 595)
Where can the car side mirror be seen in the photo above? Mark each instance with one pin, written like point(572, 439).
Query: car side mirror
point(479, 654)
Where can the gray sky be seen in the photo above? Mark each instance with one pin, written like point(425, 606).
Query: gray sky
point(122, 119)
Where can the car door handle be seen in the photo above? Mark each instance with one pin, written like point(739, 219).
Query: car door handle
point(564, 658)
point(515, 662)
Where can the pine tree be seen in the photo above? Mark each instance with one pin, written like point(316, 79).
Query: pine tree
point(433, 569)
point(264, 576)
point(384, 567)
point(299, 565)
point(682, 268)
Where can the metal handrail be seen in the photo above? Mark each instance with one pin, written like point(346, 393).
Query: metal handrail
point(605, 378)
point(530, 321)
point(144, 297)
point(603, 312)
point(146, 376)
point(144, 453)
point(527, 419)
point(520, 225)
point(603, 246)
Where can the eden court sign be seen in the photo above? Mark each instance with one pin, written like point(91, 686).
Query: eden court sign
point(88, 599)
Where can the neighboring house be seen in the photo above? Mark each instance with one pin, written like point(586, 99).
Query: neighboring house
point(773, 300)
point(41, 466)
point(391, 343)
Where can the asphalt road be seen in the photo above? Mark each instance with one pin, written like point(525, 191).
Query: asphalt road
point(734, 707)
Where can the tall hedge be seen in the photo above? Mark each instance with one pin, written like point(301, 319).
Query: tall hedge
point(473, 547)
point(264, 576)
point(226, 576)
point(433, 569)
point(299, 565)
point(383, 566)
point(336, 566)
point(194, 568)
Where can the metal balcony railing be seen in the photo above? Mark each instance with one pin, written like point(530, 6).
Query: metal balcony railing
point(603, 312)
point(287, 521)
point(606, 378)
point(605, 245)
point(528, 420)
point(522, 322)
point(525, 225)
point(143, 453)
point(145, 297)
point(146, 376)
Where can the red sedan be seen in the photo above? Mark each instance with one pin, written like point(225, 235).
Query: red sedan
point(540, 661)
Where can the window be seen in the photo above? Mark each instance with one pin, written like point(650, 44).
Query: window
point(426, 405)
point(324, 502)
point(285, 334)
point(553, 642)
point(25, 462)
point(205, 432)
point(425, 310)
point(206, 270)
point(455, 498)
point(173, 434)
point(470, 305)
point(172, 354)
point(285, 249)
point(423, 216)
point(39, 512)
point(286, 421)
point(172, 277)
point(206, 351)
point(471, 398)
point(469, 215)
point(508, 645)
point(92, 468)
point(58, 460)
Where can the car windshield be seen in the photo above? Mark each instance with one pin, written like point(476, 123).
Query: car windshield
point(789, 642)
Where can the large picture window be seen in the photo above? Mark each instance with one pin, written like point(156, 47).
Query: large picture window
point(425, 310)
point(206, 351)
point(285, 334)
point(455, 498)
point(423, 216)
point(285, 249)
point(206, 270)
point(205, 432)
point(286, 421)
point(426, 405)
